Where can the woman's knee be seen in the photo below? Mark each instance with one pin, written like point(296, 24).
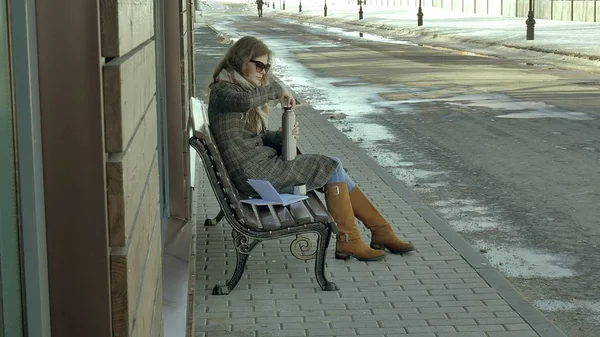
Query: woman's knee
point(339, 174)
point(339, 162)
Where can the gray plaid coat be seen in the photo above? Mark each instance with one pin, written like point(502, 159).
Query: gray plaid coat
point(248, 155)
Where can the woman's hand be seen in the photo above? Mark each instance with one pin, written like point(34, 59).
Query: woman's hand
point(288, 100)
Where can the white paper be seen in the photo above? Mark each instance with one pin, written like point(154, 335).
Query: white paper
point(269, 194)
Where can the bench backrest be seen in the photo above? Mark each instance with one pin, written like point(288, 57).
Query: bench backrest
point(226, 193)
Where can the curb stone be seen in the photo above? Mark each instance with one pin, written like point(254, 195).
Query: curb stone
point(226, 39)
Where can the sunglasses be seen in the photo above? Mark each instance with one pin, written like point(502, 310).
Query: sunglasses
point(261, 66)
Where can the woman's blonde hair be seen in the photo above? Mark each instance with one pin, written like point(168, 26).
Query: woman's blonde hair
point(241, 52)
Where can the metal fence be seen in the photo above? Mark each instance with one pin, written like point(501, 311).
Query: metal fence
point(565, 10)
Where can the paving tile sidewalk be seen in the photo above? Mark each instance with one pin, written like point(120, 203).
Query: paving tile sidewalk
point(443, 289)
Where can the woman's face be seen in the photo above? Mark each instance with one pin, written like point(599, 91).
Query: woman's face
point(256, 68)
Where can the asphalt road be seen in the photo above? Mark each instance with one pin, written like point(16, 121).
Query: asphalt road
point(506, 151)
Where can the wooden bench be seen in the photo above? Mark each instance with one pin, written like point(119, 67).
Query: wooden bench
point(252, 224)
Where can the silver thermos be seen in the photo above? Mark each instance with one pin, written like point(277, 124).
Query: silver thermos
point(288, 120)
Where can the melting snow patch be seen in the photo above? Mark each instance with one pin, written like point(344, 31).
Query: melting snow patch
point(559, 305)
point(572, 305)
point(430, 186)
point(466, 215)
point(372, 132)
point(412, 176)
point(577, 116)
point(526, 263)
point(505, 102)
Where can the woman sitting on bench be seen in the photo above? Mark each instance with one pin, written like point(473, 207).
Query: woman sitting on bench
point(238, 114)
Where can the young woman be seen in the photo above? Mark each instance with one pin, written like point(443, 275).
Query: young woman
point(238, 115)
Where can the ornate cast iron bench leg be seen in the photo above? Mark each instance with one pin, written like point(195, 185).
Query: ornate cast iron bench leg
point(322, 244)
point(301, 248)
point(214, 221)
point(242, 249)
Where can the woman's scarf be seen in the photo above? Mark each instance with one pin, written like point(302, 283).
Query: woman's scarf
point(257, 117)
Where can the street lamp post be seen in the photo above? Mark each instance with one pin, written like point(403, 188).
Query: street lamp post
point(360, 10)
point(300, 6)
point(325, 9)
point(420, 15)
point(530, 22)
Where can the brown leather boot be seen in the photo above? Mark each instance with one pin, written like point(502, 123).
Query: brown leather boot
point(382, 234)
point(349, 242)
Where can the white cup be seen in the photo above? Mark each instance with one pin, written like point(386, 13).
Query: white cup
point(300, 189)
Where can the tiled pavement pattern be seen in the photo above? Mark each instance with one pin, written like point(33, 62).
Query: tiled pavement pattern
point(444, 289)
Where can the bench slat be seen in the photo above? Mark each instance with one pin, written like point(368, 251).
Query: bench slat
point(285, 218)
point(317, 208)
point(268, 218)
point(226, 184)
point(251, 215)
point(300, 213)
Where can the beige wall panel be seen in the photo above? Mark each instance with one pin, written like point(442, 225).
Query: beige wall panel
point(192, 67)
point(192, 62)
point(127, 271)
point(126, 173)
point(184, 45)
point(129, 86)
point(183, 23)
point(584, 11)
point(468, 6)
point(157, 315)
point(185, 67)
point(152, 280)
point(543, 10)
point(185, 81)
point(185, 104)
point(191, 9)
point(562, 10)
point(125, 24)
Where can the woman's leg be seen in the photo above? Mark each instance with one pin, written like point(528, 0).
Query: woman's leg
point(382, 234)
point(340, 175)
point(348, 240)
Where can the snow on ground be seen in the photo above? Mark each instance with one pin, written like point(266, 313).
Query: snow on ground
point(566, 38)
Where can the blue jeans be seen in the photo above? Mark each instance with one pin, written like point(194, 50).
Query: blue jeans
point(340, 176)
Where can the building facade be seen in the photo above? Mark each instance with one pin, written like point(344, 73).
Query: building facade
point(94, 165)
